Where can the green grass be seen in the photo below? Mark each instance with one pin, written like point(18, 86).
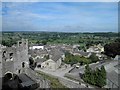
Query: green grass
point(54, 81)
point(70, 77)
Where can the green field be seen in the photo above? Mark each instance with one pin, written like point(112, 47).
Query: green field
point(83, 39)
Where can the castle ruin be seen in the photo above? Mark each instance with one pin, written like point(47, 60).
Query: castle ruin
point(15, 58)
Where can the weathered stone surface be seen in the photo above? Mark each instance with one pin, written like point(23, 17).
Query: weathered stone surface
point(12, 59)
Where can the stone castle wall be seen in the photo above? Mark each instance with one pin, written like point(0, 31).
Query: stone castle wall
point(13, 57)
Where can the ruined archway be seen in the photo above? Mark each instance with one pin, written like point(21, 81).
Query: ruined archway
point(7, 76)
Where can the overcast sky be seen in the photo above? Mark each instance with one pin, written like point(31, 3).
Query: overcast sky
point(61, 17)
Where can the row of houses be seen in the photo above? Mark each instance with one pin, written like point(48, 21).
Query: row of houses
point(53, 60)
point(56, 54)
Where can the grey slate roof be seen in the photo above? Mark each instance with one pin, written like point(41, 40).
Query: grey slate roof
point(37, 52)
point(76, 51)
point(56, 51)
point(56, 54)
point(26, 81)
point(113, 77)
point(40, 60)
point(56, 57)
point(84, 53)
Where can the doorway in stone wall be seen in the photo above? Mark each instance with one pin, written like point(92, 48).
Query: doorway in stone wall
point(19, 71)
point(23, 64)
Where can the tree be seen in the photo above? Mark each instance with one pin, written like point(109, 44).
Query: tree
point(100, 77)
point(87, 73)
point(44, 42)
point(38, 42)
point(92, 78)
point(94, 58)
point(103, 74)
point(95, 77)
point(9, 42)
point(73, 59)
point(112, 49)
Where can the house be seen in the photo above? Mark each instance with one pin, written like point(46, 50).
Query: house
point(68, 48)
point(39, 61)
point(101, 56)
point(96, 49)
point(76, 52)
point(38, 53)
point(81, 53)
point(85, 54)
point(100, 47)
point(54, 61)
point(76, 46)
point(93, 49)
point(117, 57)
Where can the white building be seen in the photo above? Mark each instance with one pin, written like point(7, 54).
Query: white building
point(96, 49)
point(36, 47)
